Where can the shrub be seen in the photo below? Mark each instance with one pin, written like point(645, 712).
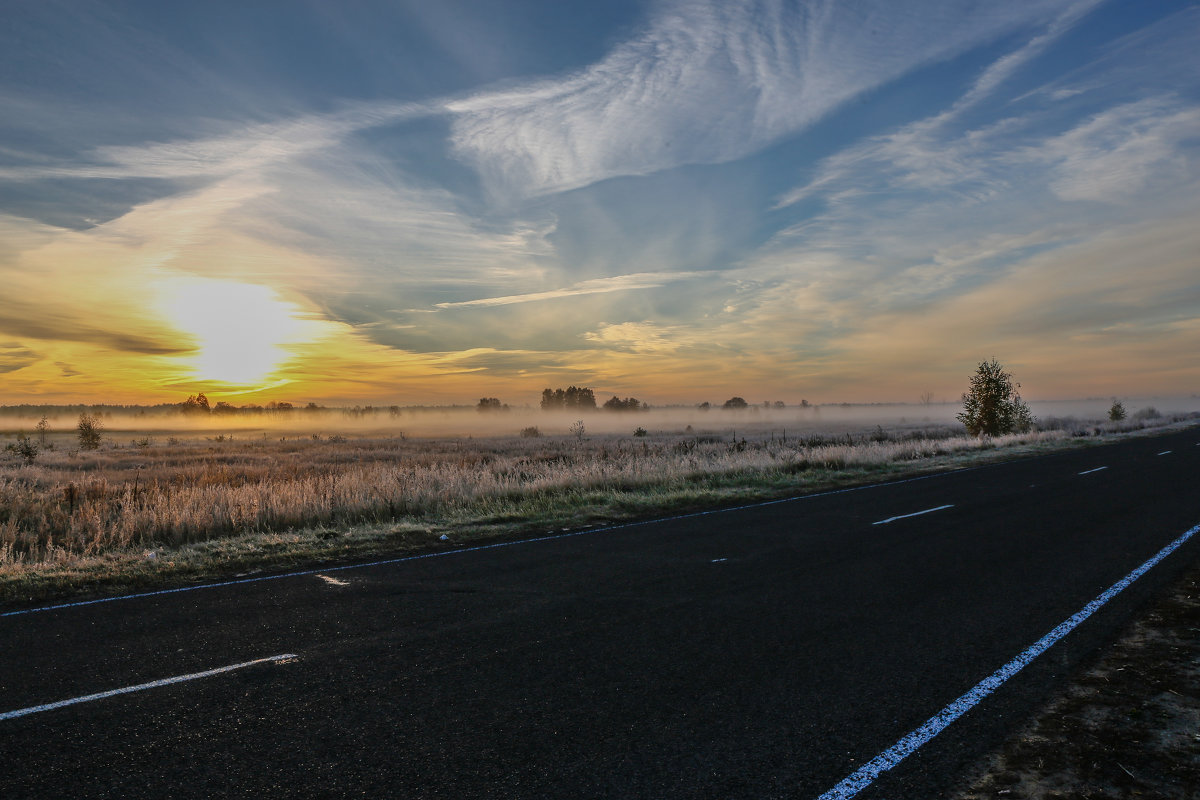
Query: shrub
point(640, 432)
point(1149, 412)
point(993, 406)
point(530, 433)
point(25, 449)
point(89, 428)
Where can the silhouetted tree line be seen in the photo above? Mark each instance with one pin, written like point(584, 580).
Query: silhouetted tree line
point(489, 404)
point(628, 404)
point(573, 398)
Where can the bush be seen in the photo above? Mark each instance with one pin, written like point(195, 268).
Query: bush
point(530, 433)
point(993, 406)
point(89, 428)
point(25, 449)
point(1149, 412)
point(640, 432)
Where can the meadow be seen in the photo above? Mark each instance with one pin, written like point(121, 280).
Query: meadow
point(177, 493)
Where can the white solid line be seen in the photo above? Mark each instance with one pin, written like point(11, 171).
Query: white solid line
point(477, 548)
point(914, 514)
point(1090, 471)
point(866, 775)
point(143, 686)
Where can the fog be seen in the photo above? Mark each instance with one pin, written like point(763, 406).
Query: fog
point(461, 422)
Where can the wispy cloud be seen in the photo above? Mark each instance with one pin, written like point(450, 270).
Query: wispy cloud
point(237, 152)
point(710, 82)
point(619, 283)
point(15, 356)
point(1118, 153)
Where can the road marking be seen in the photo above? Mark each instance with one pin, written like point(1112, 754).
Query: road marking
point(914, 514)
point(143, 686)
point(332, 581)
point(1165, 453)
point(719, 560)
point(1090, 471)
point(869, 772)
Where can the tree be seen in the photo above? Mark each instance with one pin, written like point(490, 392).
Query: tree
point(993, 406)
point(195, 404)
point(617, 404)
point(89, 428)
point(735, 403)
point(43, 427)
point(572, 398)
point(489, 404)
point(1117, 412)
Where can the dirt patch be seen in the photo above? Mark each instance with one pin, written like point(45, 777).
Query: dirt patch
point(1128, 727)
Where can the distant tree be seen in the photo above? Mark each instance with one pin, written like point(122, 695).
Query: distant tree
point(224, 408)
point(487, 404)
point(90, 429)
point(573, 398)
point(705, 406)
point(926, 398)
point(640, 432)
point(805, 404)
point(735, 403)
point(1117, 412)
point(578, 429)
point(195, 404)
point(617, 404)
point(43, 427)
point(993, 406)
point(780, 404)
point(530, 433)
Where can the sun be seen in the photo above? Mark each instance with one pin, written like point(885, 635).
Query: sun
point(241, 331)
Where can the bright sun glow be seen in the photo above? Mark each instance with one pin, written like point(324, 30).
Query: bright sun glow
point(241, 330)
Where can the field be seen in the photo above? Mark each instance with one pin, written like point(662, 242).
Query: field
point(171, 496)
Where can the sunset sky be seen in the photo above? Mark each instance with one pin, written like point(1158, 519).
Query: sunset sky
point(428, 202)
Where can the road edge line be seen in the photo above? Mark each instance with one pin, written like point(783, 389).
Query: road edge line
point(867, 774)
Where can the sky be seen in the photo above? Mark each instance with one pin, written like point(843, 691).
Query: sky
point(409, 202)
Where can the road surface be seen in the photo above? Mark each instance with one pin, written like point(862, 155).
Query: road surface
point(763, 652)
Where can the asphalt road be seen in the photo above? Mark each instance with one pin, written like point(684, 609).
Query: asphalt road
point(753, 653)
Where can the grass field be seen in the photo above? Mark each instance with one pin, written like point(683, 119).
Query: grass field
point(157, 504)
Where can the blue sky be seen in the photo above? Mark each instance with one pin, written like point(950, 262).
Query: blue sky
point(431, 202)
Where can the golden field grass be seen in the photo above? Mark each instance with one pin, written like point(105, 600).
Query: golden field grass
point(141, 511)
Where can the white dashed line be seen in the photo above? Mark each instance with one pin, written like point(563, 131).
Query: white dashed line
point(1090, 471)
point(914, 514)
point(719, 560)
point(143, 686)
point(868, 773)
point(1166, 453)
